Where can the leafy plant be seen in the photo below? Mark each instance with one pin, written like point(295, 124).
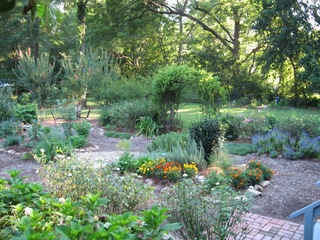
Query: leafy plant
point(215, 215)
point(26, 113)
point(82, 128)
point(9, 127)
point(78, 141)
point(233, 126)
point(7, 103)
point(209, 134)
point(12, 140)
point(167, 142)
point(148, 127)
point(126, 163)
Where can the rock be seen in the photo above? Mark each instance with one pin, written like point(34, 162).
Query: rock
point(200, 178)
point(2, 150)
point(265, 184)
point(149, 181)
point(165, 189)
point(258, 188)
point(11, 152)
point(254, 193)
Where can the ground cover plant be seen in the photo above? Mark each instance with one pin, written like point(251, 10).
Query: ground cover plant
point(28, 212)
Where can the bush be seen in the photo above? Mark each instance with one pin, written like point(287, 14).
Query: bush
point(125, 193)
point(30, 213)
point(126, 163)
point(77, 141)
point(187, 153)
point(168, 142)
point(295, 126)
point(126, 114)
point(212, 216)
point(9, 127)
point(215, 179)
point(12, 140)
point(233, 126)
point(52, 142)
point(26, 113)
point(148, 127)
point(209, 134)
point(6, 103)
point(83, 128)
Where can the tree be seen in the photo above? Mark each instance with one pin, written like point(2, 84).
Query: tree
point(288, 33)
point(37, 76)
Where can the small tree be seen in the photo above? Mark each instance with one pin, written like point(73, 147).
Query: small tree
point(37, 76)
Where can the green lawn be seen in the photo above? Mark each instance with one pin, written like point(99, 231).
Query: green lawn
point(191, 112)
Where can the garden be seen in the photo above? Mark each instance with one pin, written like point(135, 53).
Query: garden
point(156, 119)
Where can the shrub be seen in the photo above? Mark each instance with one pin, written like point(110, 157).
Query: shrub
point(78, 141)
point(9, 127)
point(233, 126)
point(212, 216)
point(28, 212)
point(148, 127)
point(26, 113)
point(295, 126)
point(167, 142)
point(187, 153)
point(6, 103)
point(125, 114)
point(52, 142)
point(12, 140)
point(125, 193)
point(126, 163)
point(215, 179)
point(208, 133)
point(83, 128)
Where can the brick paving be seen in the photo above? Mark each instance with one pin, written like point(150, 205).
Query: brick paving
point(267, 228)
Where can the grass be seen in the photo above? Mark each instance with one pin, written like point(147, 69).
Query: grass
point(241, 149)
point(191, 111)
point(122, 135)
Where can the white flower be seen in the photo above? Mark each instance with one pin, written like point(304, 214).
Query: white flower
point(69, 174)
point(37, 171)
point(118, 169)
point(62, 200)
point(42, 150)
point(68, 158)
point(184, 175)
point(28, 211)
point(217, 183)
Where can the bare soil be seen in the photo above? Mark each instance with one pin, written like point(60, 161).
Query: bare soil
point(292, 187)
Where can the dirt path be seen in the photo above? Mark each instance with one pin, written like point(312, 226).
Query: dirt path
point(292, 187)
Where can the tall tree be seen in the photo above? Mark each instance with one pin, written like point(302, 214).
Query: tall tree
point(288, 32)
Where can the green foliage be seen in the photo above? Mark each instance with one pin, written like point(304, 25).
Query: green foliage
point(209, 134)
point(9, 127)
point(26, 113)
point(38, 76)
point(215, 215)
point(125, 193)
point(167, 142)
point(233, 126)
point(28, 212)
point(82, 128)
point(215, 179)
point(12, 140)
point(186, 153)
point(296, 126)
point(125, 114)
point(148, 127)
point(126, 163)
point(7, 103)
point(254, 173)
point(122, 135)
point(52, 143)
point(77, 141)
